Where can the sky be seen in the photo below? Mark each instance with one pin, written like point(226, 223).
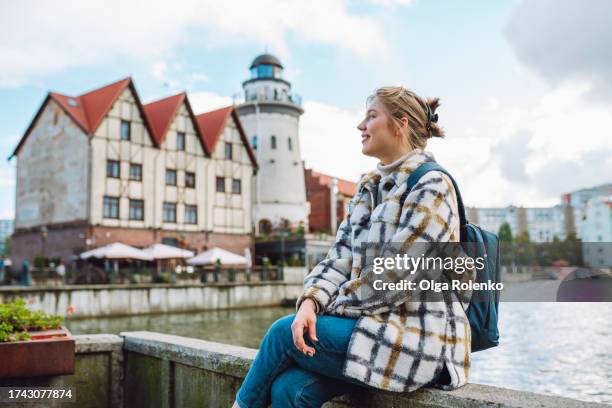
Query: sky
point(525, 86)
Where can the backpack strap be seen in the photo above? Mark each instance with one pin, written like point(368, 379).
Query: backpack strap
point(426, 167)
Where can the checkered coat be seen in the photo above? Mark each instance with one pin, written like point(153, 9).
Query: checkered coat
point(401, 345)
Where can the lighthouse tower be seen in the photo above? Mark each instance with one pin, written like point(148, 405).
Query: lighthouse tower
point(270, 116)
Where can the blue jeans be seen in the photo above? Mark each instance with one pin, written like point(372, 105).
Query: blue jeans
point(286, 377)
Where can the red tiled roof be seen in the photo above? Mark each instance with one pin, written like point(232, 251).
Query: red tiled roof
point(212, 124)
point(74, 108)
point(345, 187)
point(89, 109)
point(98, 102)
point(160, 114)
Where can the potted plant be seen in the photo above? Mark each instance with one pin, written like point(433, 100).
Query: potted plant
point(33, 343)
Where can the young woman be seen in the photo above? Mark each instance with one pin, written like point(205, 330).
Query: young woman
point(342, 337)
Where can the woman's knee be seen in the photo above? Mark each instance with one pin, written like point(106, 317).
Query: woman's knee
point(281, 327)
point(289, 387)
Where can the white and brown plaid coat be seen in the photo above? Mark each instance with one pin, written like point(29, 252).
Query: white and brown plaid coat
point(399, 346)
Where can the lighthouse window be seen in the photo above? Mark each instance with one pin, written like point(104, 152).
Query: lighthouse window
point(265, 71)
point(254, 142)
point(289, 144)
point(273, 142)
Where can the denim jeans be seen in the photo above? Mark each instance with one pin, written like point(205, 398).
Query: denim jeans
point(284, 376)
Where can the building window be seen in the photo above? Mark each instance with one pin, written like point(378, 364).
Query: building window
point(112, 168)
point(236, 187)
point(135, 172)
point(189, 179)
point(137, 210)
point(171, 241)
point(170, 177)
point(111, 207)
point(220, 185)
point(289, 143)
point(180, 141)
point(228, 151)
point(169, 212)
point(273, 142)
point(191, 214)
point(254, 142)
point(125, 130)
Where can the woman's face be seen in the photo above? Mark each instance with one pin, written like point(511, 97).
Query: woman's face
point(378, 139)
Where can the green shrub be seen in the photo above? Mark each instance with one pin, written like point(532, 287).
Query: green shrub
point(16, 320)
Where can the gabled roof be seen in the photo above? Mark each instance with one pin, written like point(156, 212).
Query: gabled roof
point(345, 187)
point(89, 109)
point(73, 108)
point(212, 124)
point(98, 102)
point(162, 112)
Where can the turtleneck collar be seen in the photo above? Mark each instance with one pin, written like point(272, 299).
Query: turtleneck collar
point(386, 169)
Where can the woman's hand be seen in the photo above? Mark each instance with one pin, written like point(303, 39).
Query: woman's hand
point(305, 320)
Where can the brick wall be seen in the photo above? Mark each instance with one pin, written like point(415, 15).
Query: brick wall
point(66, 241)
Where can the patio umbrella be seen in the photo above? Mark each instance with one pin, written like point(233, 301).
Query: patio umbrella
point(162, 251)
point(247, 255)
point(117, 250)
point(211, 256)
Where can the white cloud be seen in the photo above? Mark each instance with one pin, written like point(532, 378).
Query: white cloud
point(158, 70)
point(37, 37)
point(565, 41)
point(204, 101)
point(391, 3)
point(530, 154)
point(330, 142)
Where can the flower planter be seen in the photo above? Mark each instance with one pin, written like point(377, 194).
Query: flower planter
point(49, 352)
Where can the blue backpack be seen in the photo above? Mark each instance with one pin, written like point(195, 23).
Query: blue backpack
point(483, 310)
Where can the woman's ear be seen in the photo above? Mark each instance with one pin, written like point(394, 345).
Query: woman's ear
point(402, 125)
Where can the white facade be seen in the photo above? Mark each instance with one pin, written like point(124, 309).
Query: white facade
point(596, 232)
point(543, 224)
point(229, 212)
point(579, 199)
point(491, 219)
point(270, 116)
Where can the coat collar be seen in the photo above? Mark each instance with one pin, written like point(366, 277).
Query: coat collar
point(399, 176)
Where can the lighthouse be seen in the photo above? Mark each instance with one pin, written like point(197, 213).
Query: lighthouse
point(270, 115)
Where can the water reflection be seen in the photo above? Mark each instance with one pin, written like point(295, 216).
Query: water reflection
point(551, 348)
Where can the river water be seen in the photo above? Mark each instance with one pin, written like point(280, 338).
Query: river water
point(551, 348)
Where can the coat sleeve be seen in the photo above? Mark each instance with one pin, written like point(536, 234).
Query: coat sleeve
point(429, 214)
point(323, 282)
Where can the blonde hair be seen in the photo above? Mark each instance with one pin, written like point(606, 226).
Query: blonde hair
point(403, 103)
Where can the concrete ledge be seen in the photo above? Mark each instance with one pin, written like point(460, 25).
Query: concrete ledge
point(9, 289)
point(225, 360)
point(98, 343)
point(208, 355)
point(138, 299)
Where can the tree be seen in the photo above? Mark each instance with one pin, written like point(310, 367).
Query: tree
point(7, 247)
point(522, 238)
point(505, 233)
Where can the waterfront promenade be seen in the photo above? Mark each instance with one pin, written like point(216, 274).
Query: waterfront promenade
point(147, 369)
